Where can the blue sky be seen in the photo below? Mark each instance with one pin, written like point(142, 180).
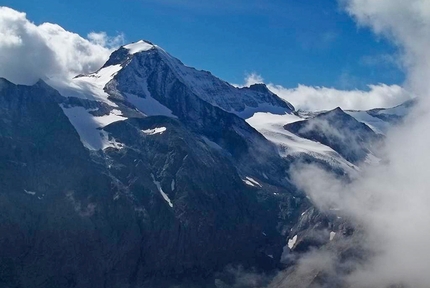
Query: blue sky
point(287, 42)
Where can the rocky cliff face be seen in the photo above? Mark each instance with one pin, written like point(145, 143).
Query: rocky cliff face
point(155, 65)
point(166, 204)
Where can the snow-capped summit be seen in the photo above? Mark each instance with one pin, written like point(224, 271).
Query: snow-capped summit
point(139, 46)
point(135, 72)
point(146, 63)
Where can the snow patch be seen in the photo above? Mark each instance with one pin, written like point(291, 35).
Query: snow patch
point(159, 130)
point(90, 86)
point(89, 126)
point(247, 182)
point(165, 197)
point(292, 242)
point(400, 111)
point(377, 125)
point(148, 105)
point(112, 142)
point(272, 128)
point(139, 46)
point(30, 192)
point(332, 234)
point(253, 181)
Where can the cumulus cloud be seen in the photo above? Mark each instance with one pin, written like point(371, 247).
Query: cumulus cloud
point(322, 98)
point(30, 52)
point(389, 202)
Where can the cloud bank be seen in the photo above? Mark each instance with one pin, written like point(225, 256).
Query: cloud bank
point(322, 98)
point(30, 52)
point(389, 203)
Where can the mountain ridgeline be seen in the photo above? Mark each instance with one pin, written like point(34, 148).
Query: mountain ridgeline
point(149, 173)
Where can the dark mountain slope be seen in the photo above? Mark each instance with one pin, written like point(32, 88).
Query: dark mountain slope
point(166, 208)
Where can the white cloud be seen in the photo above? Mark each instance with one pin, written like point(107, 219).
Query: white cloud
point(30, 52)
point(102, 39)
point(322, 98)
point(390, 202)
point(252, 79)
point(407, 24)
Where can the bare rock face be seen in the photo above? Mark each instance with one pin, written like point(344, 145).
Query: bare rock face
point(169, 205)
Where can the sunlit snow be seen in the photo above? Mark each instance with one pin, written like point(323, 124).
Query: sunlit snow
point(159, 130)
point(139, 46)
point(247, 182)
point(253, 181)
point(148, 105)
point(88, 126)
point(292, 242)
point(30, 192)
point(377, 125)
point(90, 86)
point(272, 127)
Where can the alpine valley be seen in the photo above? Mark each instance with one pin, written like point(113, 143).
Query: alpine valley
point(149, 173)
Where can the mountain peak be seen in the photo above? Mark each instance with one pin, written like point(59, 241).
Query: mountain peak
point(4, 81)
point(259, 87)
point(336, 110)
point(139, 46)
point(126, 52)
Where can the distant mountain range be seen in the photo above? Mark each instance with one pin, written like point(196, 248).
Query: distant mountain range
point(149, 173)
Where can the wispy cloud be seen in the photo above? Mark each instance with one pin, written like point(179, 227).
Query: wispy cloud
point(311, 41)
point(389, 60)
